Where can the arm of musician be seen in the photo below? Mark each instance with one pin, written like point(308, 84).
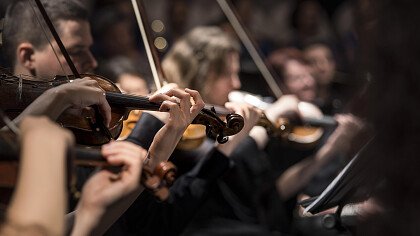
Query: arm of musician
point(91, 209)
point(351, 212)
point(149, 124)
point(70, 97)
point(287, 106)
point(251, 116)
point(106, 195)
point(298, 176)
point(39, 201)
point(181, 113)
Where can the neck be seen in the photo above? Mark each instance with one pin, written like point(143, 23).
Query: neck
point(323, 92)
point(21, 70)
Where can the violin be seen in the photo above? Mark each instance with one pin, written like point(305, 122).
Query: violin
point(22, 92)
point(156, 180)
point(304, 131)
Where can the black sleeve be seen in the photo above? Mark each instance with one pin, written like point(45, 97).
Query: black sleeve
point(147, 216)
point(145, 130)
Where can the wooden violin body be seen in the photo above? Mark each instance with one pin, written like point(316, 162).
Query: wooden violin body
point(21, 92)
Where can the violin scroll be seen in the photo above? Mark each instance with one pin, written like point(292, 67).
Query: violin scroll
point(159, 180)
point(216, 128)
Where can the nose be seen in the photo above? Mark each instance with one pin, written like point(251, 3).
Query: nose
point(90, 63)
point(309, 81)
point(236, 82)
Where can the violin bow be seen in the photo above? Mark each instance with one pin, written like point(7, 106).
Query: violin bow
point(152, 55)
point(98, 125)
point(250, 45)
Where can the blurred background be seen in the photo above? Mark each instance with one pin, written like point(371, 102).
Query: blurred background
point(273, 24)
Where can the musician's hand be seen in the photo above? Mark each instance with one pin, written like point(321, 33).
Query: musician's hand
point(82, 93)
point(105, 188)
point(251, 116)
point(162, 116)
point(178, 104)
point(348, 127)
point(286, 106)
point(181, 113)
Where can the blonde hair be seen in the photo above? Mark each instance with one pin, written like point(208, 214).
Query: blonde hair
point(199, 57)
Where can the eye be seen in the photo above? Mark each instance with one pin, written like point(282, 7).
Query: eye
point(76, 53)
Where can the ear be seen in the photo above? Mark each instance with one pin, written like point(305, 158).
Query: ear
point(25, 56)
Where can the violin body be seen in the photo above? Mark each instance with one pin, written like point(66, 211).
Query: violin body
point(130, 123)
point(22, 92)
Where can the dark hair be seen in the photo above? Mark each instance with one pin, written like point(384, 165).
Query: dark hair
point(21, 25)
point(196, 54)
point(117, 66)
point(280, 57)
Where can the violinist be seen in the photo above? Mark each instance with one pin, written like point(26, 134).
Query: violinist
point(191, 189)
point(307, 173)
point(30, 53)
point(207, 59)
point(105, 195)
point(44, 212)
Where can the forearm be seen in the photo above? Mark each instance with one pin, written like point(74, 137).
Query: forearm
point(50, 103)
point(46, 166)
point(145, 130)
point(298, 176)
point(260, 136)
point(98, 221)
point(164, 143)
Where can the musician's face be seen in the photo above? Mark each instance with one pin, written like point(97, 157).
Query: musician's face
point(77, 39)
point(133, 84)
point(321, 63)
point(299, 81)
point(218, 91)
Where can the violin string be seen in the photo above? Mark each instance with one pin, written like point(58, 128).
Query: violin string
point(136, 100)
point(48, 39)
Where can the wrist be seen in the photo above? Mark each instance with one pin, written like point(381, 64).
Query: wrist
point(86, 220)
point(162, 116)
point(260, 136)
point(60, 101)
point(325, 153)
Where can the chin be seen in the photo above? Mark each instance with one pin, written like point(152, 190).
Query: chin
point(308, 97)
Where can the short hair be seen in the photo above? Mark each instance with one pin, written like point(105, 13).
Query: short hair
point(200, 52)
point(117, 66)
point(280, 57)
point(21, 25)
